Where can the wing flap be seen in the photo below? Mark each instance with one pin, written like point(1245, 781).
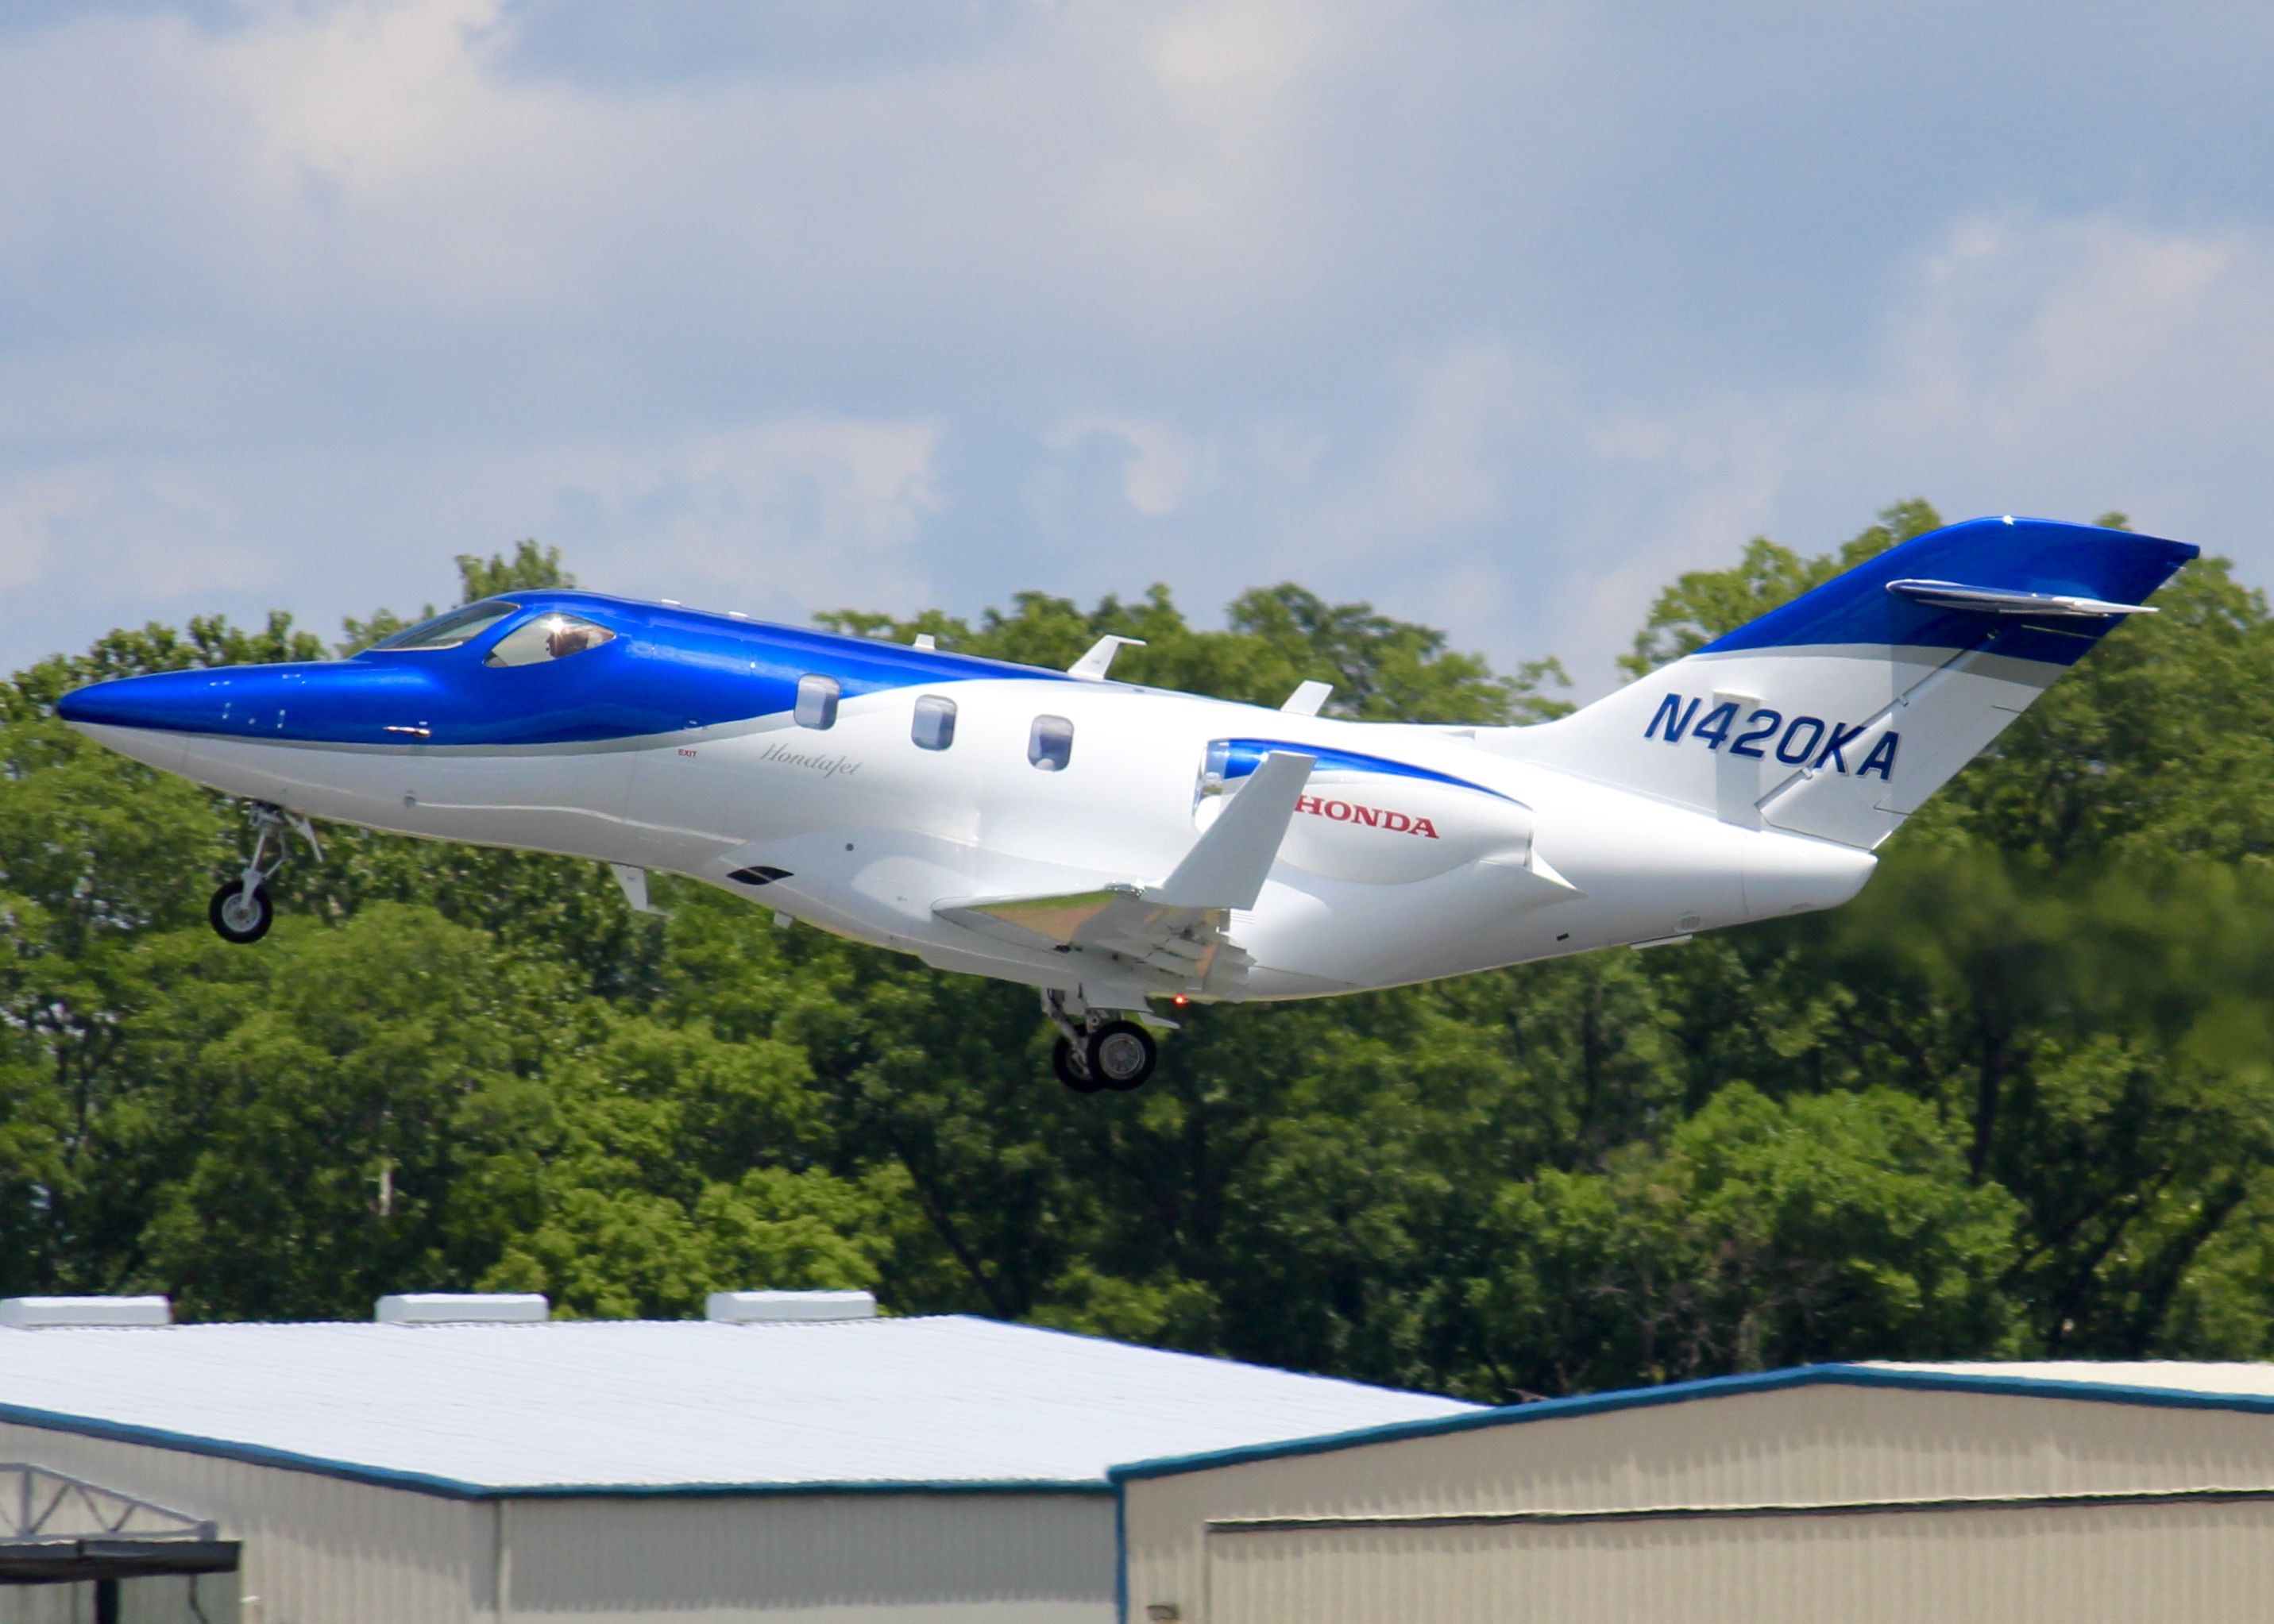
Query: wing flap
point(1176, 930)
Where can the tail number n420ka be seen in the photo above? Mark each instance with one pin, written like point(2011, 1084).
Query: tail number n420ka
point(1803, 741)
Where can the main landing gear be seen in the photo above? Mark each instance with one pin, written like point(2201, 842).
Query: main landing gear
point(1096, 1051)
point(240, 910)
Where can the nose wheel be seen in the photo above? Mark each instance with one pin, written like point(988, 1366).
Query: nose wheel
point(1096, 1052)
point(240, 911)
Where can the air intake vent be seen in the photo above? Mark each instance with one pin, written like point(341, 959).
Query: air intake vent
point(29, 1313)
point(463, 1308)
point(764, 1307)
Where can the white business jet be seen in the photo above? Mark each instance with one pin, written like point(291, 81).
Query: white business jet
point(1115, 845)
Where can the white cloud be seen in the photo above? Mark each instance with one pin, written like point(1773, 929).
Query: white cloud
point(780, 517)
point(1157, 460)
point(82, 530)
point(790, 516)
point(1498, 317)
point(2028, 363)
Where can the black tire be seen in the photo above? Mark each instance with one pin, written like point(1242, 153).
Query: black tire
point(1073, 1068)
point(1121, 1055)
point(237, 918)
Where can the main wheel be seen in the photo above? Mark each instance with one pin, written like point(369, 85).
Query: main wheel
point(239, 918)
point(1072, 1068)
point(1121, 1055)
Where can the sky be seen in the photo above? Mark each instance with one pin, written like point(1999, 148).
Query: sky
point(1495, 315)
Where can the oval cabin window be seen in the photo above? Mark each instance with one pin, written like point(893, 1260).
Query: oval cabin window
point(934, 728)
point(1050, 746)
point(817, 702)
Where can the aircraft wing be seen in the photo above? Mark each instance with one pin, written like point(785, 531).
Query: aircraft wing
point(1177, 927)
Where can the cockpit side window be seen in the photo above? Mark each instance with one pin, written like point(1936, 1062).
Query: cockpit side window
point(447, 631)
point(547, 637)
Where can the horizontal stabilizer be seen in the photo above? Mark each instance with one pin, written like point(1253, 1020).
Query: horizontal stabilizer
point(2002, 600)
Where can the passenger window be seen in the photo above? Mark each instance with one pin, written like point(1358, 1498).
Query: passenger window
point(817, 702)
point(1050, 746)
point(547, 637)
point(935, 723)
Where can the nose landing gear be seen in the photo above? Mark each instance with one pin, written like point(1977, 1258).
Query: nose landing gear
point(1096, 1051)
point(241, 911)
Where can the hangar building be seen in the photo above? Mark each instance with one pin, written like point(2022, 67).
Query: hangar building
point(845, 1470)
point(1871, 1494)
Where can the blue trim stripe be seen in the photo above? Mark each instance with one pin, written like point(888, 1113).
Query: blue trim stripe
point(2025, 555)
point(1243, 756)
point(1712, 1386)
point(453, 1488)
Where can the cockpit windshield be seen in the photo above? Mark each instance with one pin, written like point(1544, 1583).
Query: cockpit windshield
point(447, 631)
point(547, 637)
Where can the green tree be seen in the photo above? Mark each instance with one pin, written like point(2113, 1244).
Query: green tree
point(2014, 1099)
point(1764, 1232)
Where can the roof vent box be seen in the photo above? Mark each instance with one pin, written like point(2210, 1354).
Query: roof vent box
point(777, 1307)
point(27, 1313)
point(463, 1308)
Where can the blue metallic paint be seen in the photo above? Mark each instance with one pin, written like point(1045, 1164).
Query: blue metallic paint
point(667, 670)
point(1243, 756)
point(2028, 555)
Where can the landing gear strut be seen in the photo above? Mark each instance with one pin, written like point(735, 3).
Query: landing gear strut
point(240, 911)
point(1095, 1050)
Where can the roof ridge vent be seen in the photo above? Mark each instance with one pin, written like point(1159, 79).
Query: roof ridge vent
point(787, 1307)
point(463, 1308)
point(30, 1313)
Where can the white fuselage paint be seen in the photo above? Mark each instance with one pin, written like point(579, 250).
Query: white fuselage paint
point(875, 832)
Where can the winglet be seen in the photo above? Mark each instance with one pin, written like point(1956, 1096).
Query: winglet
point(1227, 865)
point(1307, 699)
point(1092, 667)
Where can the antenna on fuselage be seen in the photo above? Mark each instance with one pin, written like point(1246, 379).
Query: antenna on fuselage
point(1092, 667)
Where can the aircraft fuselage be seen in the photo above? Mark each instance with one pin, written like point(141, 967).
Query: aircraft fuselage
point(676, 745)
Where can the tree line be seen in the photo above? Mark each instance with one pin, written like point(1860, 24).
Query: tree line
point(2017, 1099)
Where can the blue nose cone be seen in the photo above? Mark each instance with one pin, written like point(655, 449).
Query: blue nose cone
point(165, 701)
point(340, 702)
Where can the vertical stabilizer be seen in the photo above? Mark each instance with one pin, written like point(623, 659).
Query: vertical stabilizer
point(1839, 714)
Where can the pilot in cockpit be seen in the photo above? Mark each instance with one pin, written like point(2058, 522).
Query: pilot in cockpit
point(570, 636)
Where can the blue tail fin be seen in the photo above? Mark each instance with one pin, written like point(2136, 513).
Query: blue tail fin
point(1839, 714)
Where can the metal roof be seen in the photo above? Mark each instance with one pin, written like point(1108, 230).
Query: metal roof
point(652, 1407)
point(2171, 1384)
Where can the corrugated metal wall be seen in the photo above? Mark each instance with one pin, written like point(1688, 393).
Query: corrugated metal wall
point(321, 1551)
point(317, 1550)
point(1814, 1444)
point(845, 1559)
point(2205, 1563)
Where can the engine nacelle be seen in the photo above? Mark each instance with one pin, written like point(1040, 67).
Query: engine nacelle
point(1359, 824)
